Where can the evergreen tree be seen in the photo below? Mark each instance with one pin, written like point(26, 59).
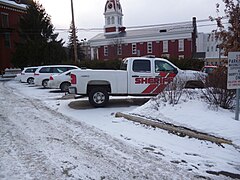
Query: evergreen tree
point(229, 36)
point(80, 53)
point(38, 43)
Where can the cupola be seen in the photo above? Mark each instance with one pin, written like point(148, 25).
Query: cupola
point(113, 17)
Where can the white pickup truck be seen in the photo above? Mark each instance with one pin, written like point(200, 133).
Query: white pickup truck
point(138, 76)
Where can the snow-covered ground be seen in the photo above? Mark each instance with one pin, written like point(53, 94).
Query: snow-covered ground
point(41, 133)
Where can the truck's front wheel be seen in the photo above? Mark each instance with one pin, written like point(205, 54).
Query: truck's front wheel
point(98, 97)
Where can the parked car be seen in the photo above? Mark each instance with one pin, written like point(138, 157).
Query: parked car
point(209, 69)
point(27, 75)
point(60, 81)
point(43, 73)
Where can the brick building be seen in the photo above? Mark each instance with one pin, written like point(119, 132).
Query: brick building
point(10, 13)
point(176, 40)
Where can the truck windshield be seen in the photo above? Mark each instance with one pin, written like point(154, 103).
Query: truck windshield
point(124, 64)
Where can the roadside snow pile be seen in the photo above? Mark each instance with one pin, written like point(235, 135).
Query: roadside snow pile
point(193, 112)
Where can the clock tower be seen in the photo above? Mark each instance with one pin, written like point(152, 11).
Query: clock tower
point(113, 18)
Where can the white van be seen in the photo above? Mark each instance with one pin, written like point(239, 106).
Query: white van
point(43, 73)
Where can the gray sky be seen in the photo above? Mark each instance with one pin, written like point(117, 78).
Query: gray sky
point(89, 13)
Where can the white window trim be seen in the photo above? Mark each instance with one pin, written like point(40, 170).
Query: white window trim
point(149, 47)
point(181, 45)
point(7, 16)
point(165, 46)
point(181, 57)
point(119, 49)
point(134, 48)
point(105, 50)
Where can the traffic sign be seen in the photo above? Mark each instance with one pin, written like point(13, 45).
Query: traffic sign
point(233, 80)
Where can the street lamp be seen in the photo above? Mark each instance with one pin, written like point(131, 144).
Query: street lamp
point(74, 35)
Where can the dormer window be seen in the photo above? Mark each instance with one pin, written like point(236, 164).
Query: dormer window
point(118, 6)
point(110, 6)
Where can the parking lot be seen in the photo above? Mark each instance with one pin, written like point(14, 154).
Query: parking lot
point(50, 135)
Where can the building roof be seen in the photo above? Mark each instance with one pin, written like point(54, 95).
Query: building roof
point(164, 32)
point(13, 4)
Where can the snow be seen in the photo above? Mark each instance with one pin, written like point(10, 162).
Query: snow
point(195, 114)
point(188, 156)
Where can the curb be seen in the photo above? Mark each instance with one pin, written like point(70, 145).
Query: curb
point(178, 130)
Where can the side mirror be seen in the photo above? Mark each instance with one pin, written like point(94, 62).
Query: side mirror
point(175, 71)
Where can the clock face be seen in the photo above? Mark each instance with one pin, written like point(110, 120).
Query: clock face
point(110, 5)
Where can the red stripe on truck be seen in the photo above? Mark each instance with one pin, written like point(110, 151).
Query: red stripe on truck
point(149, 89)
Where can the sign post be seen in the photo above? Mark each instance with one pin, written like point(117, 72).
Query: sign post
point(233, 80)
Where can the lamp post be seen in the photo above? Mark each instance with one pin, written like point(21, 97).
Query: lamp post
point(74, 35)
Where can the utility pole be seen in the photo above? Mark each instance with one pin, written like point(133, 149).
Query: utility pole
point(74, 35)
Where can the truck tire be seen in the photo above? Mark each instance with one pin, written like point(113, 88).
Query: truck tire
point(98, 97)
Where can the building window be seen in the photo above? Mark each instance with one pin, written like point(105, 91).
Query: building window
point(180, 45)
point(105, 50)
point(181, 57)
point(208, 39)
point(149, 47)
point(166, 56)
point(108, 21)
point(113, 20)
point(5, 22)
point(119, 49)
point(7, 40)
point(216, 48)
point(165, 46)
point(208, 49)
point(134, 48)
point(211, 48)
point(120, 20)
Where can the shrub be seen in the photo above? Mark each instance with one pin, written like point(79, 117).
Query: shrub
point(96, 64)
point(216, 92)
point(193, 64)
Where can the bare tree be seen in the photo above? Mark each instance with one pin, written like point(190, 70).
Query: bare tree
point(117, 43)
point(230, 35)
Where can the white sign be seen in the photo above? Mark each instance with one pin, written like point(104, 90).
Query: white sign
point(233, 81)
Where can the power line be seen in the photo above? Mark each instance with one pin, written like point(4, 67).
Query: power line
point(200, 23)
point(148, 26)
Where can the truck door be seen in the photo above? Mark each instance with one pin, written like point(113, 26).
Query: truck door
point(140, 77)
point(164, 74)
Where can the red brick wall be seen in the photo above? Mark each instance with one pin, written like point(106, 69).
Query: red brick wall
point(157, 50)
point(6, 53)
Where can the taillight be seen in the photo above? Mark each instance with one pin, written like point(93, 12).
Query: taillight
point(51, 78)
point(73, 79)
point(35, 74)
